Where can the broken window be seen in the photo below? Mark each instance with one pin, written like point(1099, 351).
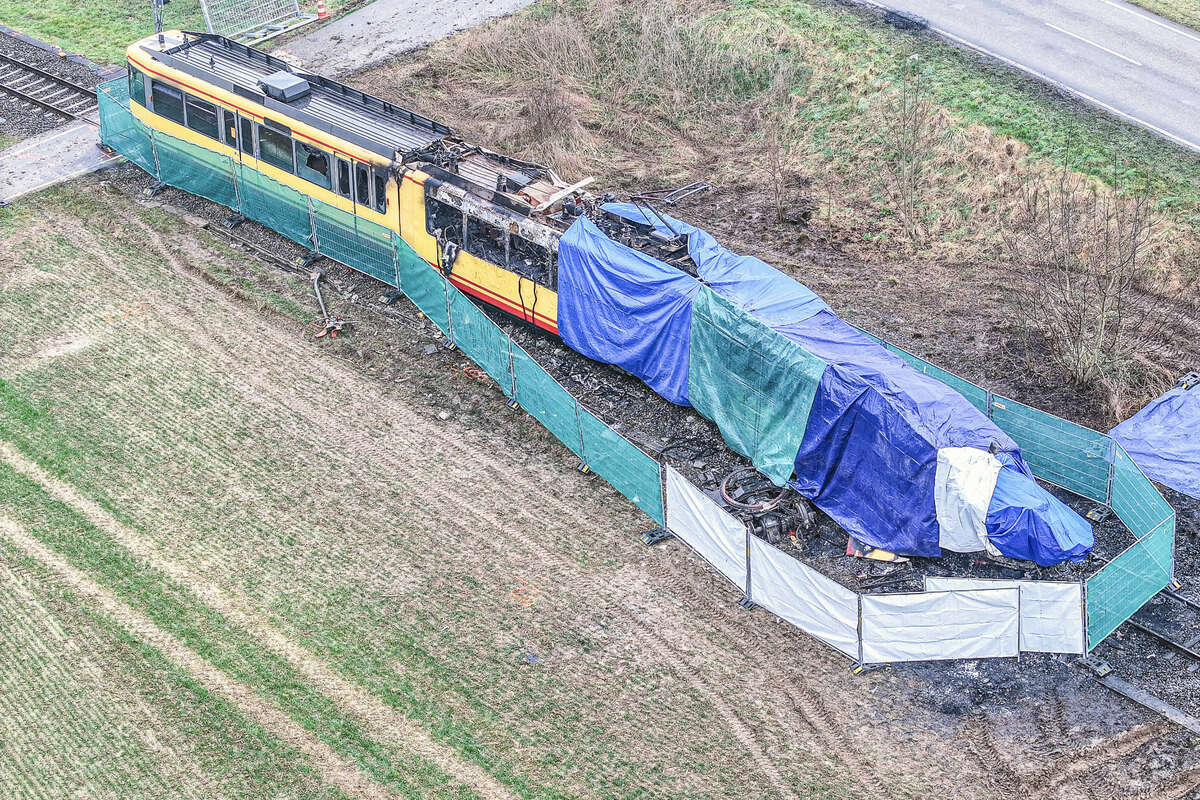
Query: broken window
point(530, 260)
point(343, 179)
point(362, 185)
point(486, 241)
point(444, 217)
point(313, 164)
point(380, 191)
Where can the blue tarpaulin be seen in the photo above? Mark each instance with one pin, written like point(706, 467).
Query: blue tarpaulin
point(748, 282)
point(1025, 521)
point(1164, 439)
point(869, 456)
point(868, 451)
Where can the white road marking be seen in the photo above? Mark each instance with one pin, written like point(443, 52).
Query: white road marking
point(1093, 44)
point(1043, 77)
point(1153, 21)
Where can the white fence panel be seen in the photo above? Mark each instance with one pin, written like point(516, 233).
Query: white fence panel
point(929, 626)
point(717, 536)
point(1051, 612)
point(804, 597)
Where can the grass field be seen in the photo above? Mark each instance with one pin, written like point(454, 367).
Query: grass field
point(292, 579)
point(347, 576)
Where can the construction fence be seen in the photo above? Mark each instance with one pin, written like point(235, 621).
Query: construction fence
point(944, 622)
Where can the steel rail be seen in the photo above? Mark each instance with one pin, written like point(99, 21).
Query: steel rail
point(66, 106)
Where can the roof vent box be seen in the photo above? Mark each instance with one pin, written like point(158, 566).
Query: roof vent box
point(284, 86)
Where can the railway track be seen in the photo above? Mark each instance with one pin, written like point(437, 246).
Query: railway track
point(45, 90)
point(1175, 620)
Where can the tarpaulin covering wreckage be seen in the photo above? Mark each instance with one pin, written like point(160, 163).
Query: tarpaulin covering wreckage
point(899, 459)
point(1164, 438)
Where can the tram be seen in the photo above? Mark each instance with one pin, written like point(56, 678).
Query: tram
point(491, 223)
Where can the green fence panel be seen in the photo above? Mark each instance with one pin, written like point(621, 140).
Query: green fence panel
point(754, 383)
point(477, 336)
point(355, 242)
point(1126, 583)
point(545, 399)
point(614, 458)
point(423, 284)
point(1134, 498)
point(276, 206)
point(122, 131)
point(976, 396)
point(196, 170)
point(1058, 451)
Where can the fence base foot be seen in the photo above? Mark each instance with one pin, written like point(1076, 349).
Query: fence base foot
point(651, 538)
point(584, 468)
point(514, 405)
point(747, 604)
point(1099, 514)
point(863, 669)
point(307, 260)
point(232, 221)
point(391, 297)
point(450, 345)
point(1096, 665)
point(153, 189)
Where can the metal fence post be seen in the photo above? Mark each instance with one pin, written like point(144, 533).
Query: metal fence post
point(154, 151)
point(860, 630)
point(749, 593)
point(312, 225)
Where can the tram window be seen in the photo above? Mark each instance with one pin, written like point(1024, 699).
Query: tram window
point(247, 136)
point(444, 217)
point(362, 185)
point(343, 179)
point(167, 100)
point(529, 260)
point(380, 191)
point(275, 148)
point(137, 86)
point(201, 116)
point(229, 127)
point(486, 241)
point(312, 164)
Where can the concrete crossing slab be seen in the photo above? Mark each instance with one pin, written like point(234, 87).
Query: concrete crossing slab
point(54, 157)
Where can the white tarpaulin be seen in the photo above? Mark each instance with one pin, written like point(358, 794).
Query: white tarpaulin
point(707, 528)
point(962, 491)
point(929, 626)
point(804, 597)
point(1051, 612)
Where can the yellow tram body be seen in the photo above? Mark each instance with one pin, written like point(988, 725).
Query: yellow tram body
point(170, 96)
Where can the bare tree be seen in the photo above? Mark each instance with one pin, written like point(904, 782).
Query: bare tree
point(912, 129)
point(1096, 276)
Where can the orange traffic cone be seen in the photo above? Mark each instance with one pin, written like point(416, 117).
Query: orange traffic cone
point(321, 12)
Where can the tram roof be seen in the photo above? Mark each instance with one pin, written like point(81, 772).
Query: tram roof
point(342, 111)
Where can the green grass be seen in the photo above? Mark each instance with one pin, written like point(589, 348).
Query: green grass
point(92, 711)
point(177, 611)
point(102, 30)
point(865, 55)
point(185, 424)
point(1185, 12)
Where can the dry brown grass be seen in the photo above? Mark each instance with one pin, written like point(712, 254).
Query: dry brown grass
point(647, 95)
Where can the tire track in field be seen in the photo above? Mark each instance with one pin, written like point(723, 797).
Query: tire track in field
point(347, 695)
point(1069, 769)
point(331, 767)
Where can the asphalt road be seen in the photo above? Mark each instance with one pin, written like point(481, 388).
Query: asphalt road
point(1131, 63)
